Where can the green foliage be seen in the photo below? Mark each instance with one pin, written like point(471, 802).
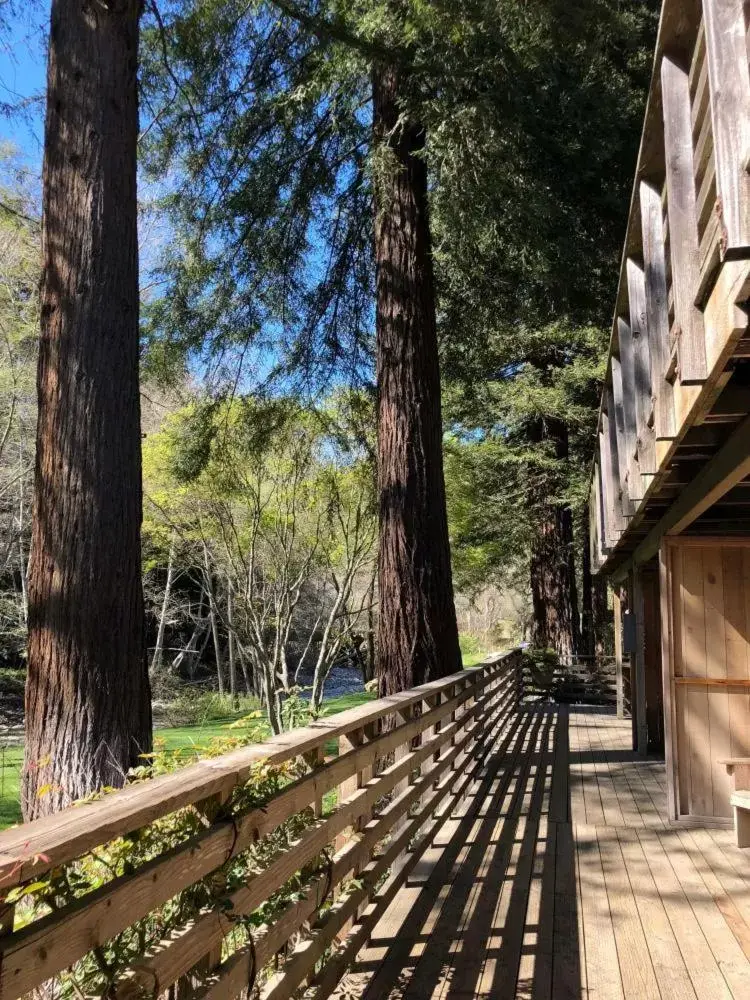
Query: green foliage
point(541, 665)
point(262, 114)
point(532, 115)
point(277, 502)
point(19, 315)
point(11, 762)
point(528, 229)
point(471, 649)
point(96, 972)
point(195, 707)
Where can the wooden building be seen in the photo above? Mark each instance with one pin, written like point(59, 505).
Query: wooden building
point(670, 490)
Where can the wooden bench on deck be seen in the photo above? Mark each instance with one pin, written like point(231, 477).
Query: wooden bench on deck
point(738, 769)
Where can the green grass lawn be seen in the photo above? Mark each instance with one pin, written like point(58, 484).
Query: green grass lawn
point(11, 761)
point(471, 650)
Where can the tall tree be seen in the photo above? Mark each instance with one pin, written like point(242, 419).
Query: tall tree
point(88, 711)
point(418, 636)
point(311, 74)
point(262, 113)
point(529, 240)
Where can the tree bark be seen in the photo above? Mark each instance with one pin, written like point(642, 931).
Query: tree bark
point(88, 709)
point(418, 635)
point(369, 665)
point(553, 579)
point(553, 588)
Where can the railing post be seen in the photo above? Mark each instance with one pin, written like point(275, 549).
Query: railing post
point(314, 759)
point(646, 444)
point(347, 743)
point(208, 809)
point(683, 222)
point(729, 91)
point(517, 667)
point(401, 751)
point(617, 604)
point(657, 310)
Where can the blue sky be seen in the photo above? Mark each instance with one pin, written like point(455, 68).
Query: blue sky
point(22, 71)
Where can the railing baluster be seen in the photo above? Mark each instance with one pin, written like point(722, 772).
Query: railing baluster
point(401, 751)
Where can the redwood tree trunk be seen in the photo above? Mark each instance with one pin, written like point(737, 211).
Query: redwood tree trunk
point(553, 579)
point(552, 586)
point(418, 635)
point(88, 709)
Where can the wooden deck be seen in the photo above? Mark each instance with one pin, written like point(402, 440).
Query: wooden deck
point(558, 877)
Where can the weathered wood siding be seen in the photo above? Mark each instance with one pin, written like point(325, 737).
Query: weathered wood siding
point(680, 314)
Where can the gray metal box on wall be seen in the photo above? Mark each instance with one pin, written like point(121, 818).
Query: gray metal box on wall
point(629, 640)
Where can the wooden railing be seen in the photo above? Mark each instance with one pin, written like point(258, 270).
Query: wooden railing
point(586, 680)
point(225, 890)
point(685, 266)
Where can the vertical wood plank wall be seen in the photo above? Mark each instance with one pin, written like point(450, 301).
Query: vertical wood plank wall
point(706, 646)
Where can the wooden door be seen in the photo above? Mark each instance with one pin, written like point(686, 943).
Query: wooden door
point(705, 591)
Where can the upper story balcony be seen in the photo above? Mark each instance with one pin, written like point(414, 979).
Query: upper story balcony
point(673, 446)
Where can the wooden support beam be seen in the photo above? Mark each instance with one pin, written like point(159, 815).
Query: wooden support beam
point(638, 674)
point(641, 369)
point(657, 311)
point(610, 486)
point(731, 405)
point(729, 84)
point(619, 491)
point(729, 466)
point(619, 471)
point(683, 221)
point(607, 518)
point(625, 438)
point(602, 548)
point(617, 606)
point(636, 484)
point(595, 549)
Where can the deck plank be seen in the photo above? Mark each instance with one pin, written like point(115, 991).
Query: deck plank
point(638, 977)
point(726, 951)
point(602, 966)
point(702, 967)
point(520, 897)
point(666, 958)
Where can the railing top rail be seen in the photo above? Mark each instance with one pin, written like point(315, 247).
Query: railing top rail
point(36, 847)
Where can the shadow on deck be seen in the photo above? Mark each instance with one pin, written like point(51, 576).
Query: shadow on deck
point(558, 877)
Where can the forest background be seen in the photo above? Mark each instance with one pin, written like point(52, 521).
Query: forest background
point(256, 185)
